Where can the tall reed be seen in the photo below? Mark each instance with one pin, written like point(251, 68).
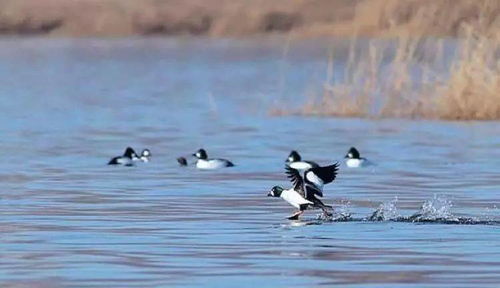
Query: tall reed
point(407, 79)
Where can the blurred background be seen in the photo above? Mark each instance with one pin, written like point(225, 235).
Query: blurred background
point(240, 18)
point(443, 55)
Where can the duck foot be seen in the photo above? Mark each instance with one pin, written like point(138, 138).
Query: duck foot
point(295, 216)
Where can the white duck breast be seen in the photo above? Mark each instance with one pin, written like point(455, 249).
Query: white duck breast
point(300, 165)
point(121, 160)
point(355, 163)
point(125, 161)
point(294, 198)
point(211, 163)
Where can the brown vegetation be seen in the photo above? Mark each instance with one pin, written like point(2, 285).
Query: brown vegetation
point(241, 17)
point(473, 88)
point(409, 80)
point(470, 89)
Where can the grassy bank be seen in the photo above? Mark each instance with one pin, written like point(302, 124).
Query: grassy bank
point(241, 17)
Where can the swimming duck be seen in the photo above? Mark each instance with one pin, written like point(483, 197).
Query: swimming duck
point(127, 159)
point(353, 159)
point(204, 163)
point(295, 161)
point(145, 155)
point(305, 189)
point(182, 161)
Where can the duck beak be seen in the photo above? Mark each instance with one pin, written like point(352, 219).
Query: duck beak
point(269, 194)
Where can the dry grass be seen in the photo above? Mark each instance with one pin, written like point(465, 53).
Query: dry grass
point(408, 79)
point(240, 17)
point(379, 82)
point(473, 88)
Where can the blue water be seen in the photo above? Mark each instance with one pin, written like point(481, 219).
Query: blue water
point(69, 220)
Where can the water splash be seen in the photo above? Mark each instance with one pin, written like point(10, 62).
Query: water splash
point(344, 208)
point(341, 213)
point(438, 211)
point(490, 212)
point(386, 211)
point(335, 217)
point(437, 208)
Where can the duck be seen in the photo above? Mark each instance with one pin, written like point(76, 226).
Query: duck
point(127, 159)
point(203, 162)
point(182, 161)
point(145, 155)
point(306, 189)
point(353, 159)
point(293, 197)
point(294, 161)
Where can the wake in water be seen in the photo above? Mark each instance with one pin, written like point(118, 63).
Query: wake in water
point(436, 210)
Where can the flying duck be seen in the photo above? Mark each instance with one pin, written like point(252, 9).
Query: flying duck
point(305, 189)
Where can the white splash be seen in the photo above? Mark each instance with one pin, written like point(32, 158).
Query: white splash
point(340, 213)
point(386, 211)
point(436, 208)
point(490, 213)
point(344, 208)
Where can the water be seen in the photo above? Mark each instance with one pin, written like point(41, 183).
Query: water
point(424, 216)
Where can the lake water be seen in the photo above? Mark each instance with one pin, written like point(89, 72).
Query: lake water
point(69, 220)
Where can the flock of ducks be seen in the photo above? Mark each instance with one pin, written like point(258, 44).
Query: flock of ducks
point(307, 177)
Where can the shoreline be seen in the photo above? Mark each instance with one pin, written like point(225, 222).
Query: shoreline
point(241, 19)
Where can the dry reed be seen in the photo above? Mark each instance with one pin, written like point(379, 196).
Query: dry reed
point(404, 85)
point(473, 88)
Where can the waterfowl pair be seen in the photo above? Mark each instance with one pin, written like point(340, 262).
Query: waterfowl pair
point(353, 159)
point(130, 156)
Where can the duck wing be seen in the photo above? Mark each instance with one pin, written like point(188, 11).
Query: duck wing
point(296, 179)
point(327, 174)
point(316, 177)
